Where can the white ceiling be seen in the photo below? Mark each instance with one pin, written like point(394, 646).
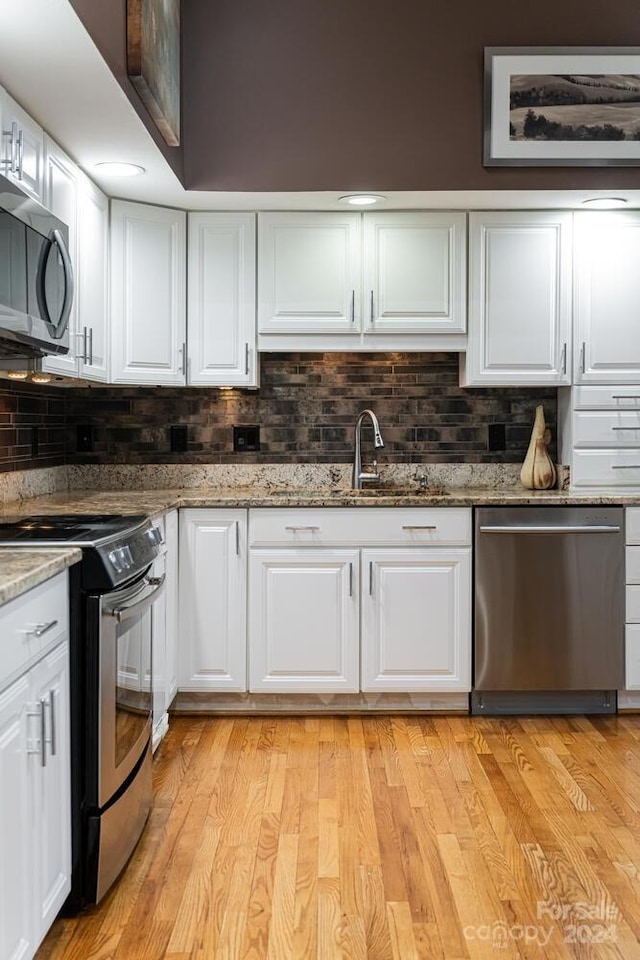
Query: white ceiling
point(50, 65)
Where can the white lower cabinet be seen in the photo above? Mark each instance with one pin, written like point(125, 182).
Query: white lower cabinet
point(213, 650)
point(35, 806)
point(370, 599)
point(416, 620)
point(303, 622)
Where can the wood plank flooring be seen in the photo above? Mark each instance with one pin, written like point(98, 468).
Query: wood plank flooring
point(385, 838)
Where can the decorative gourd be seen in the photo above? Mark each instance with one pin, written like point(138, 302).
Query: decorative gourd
point(538, 471)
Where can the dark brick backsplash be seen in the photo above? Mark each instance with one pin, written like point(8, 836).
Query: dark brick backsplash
point(306, 408)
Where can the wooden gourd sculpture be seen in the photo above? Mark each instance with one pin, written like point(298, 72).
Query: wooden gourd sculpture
point(538, 471)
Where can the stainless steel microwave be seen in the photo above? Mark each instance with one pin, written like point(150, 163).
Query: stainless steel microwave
point(36, 277)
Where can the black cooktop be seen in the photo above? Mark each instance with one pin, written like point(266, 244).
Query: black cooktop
point(70, 528)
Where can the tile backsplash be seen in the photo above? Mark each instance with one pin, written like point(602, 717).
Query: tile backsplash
point(306, 408)
point(32, 426)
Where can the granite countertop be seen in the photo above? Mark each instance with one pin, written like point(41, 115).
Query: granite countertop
point(22, 569)
point(155, 502)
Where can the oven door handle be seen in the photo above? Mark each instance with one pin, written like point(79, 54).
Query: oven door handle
point(127, 610)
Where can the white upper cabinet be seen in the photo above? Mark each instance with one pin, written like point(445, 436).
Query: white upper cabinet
point(22, 149)
point(148, 294)
point(353, 281)
point(309, 273)
point(414, 277)
point(607, 297)
point(519, 299)
point(92, 281)
point(222, 300)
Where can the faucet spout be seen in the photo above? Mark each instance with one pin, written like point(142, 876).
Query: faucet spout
point(358, 475)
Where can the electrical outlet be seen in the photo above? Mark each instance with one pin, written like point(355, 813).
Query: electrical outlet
point(179, 438)
point(246, 439)
point(496, 437)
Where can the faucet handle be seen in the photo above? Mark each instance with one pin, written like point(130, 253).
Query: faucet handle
point(374, 473)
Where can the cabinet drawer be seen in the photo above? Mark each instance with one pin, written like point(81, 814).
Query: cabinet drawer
point(632, 565)
point(632, 524)
point(632, 657)
point(606, 398)
point(360, 525)
point(605, 467)
point(604, 428)
point(633, 604)
point(20, 619)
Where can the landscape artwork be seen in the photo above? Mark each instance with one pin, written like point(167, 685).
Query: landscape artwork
point(574, 107)
point(153, 61)
point(567, 106)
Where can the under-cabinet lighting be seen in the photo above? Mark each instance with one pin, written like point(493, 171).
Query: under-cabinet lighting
point(119, 169)
point(17, 374)
point(362, 199)
point(604, 203)
point(41, 377)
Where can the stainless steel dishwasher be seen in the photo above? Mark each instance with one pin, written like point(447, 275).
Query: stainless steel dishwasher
point(549, 609)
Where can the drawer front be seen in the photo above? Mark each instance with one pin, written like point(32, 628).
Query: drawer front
point(606, 398)
point(362, 526)
point(632, 524)
point(633, 604)
point(603, 428)
point(21, 620)
point(632, 565)
point(632, 657)
point(614, 467)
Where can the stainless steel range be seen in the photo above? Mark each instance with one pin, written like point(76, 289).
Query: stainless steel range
point(111, 689)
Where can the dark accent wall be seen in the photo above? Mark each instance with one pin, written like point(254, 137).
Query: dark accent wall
point(306, 407)
point(32, 427)
point(106, 23)
point(366, 94)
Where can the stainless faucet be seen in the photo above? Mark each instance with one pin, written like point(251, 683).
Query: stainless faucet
point(358, 475)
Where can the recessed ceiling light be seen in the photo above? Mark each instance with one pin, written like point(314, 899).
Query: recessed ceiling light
point(604, 203)
point(113, 169)
point(362, 199)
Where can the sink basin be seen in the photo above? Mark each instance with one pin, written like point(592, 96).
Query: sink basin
point(395, 492)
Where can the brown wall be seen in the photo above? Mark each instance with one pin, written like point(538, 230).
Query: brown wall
point(375, 94)
point(106, 23)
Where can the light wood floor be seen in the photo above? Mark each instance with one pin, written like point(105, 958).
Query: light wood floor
point(380, 837)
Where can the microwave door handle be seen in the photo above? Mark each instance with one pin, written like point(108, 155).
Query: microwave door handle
point(69, 285)
point(127, 610)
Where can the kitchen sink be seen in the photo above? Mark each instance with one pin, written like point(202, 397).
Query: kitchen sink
point(364, 492)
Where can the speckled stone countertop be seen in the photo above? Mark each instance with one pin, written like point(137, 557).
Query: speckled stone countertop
point(22, 569)
point(154, 502)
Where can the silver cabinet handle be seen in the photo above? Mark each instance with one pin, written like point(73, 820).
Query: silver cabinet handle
point(41, 628)
point(350, 579)
point(550, 528)
point(237, 538)
point(628, 396)
point(20, 154)
point(563, 360)
point(84, 345)
point(371, 578)
point(582, 357)
point(298, 529)
point(626, 428)
point(625, 466)
point(412, 526)
point(353, 306)
point(43, 733)
point(52, 719)
point(39, 747)
point(246, 359)
point(371, 307)
point(90, 346)
point(184, 358)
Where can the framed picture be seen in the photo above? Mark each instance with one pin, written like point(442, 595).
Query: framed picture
point(153, 61)
point(562, 106)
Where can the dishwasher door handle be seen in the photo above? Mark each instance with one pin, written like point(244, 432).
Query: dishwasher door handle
point(552, 528)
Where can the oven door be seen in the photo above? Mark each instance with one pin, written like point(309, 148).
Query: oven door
point(125, 681)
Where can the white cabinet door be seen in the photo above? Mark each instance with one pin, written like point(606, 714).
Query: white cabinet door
point(607, 294)
point(222, 299)
point(519, 299)
point(22, 146)
point(148, 294)
point(303, 621)
point(16, 836)
point(52, 782)
point(92, 281)
point(309, 273)
point(414, 273)
point(212, 651)
point(61, 197)
point(416, 620)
